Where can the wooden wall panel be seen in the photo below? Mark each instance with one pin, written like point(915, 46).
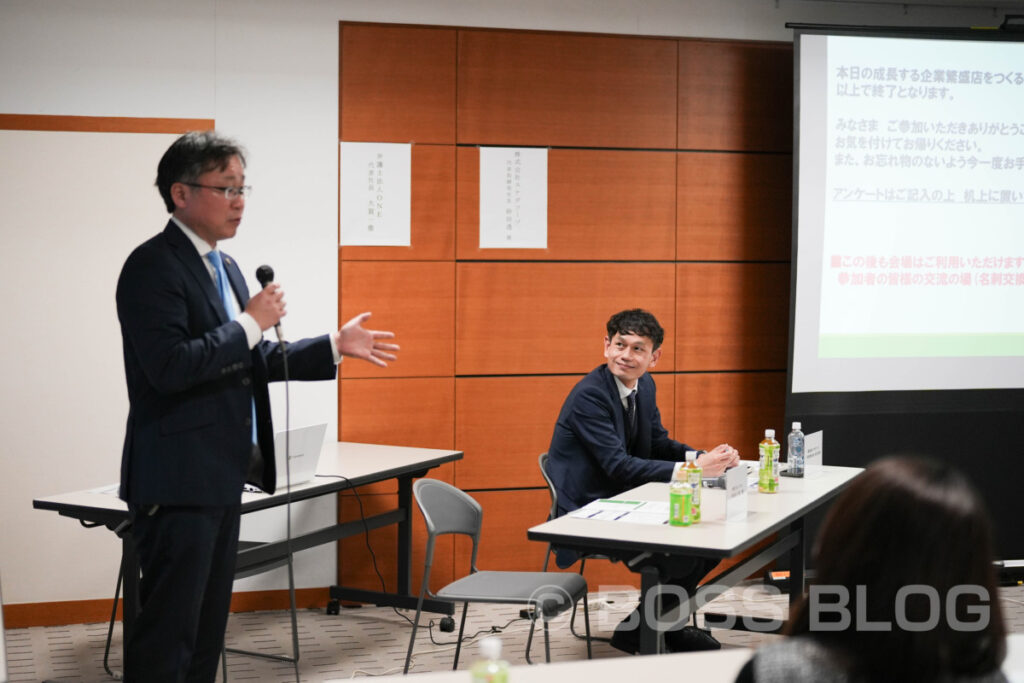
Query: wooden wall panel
point(355, 563)
point(412, 299)
point(563, 89)
point(733, 408)
point(548, 318)
point(602, 205)
point(734, 207)
point(432, 210)
point(493, 344)
point(503, 544)
point(666, 400)
point(417, 412)
point(503, 423)
point(735, 96)
point(397, 84)
point(732, 316)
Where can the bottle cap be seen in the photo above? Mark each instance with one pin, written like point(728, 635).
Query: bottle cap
point(769, 433)
point(796, 425)
point(490, 647)
point(691, 456)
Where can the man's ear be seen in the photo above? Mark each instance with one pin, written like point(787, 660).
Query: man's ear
point(179, 194)
point(655, 355)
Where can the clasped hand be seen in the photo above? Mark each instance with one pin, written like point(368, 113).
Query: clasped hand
point(716, 461)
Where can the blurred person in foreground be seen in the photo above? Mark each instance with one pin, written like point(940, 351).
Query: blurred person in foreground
point(905, 589)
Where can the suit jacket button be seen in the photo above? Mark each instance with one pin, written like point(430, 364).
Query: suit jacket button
point(245, 381)
point(248, 422)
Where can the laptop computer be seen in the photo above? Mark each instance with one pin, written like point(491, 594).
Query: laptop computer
point(303, 449)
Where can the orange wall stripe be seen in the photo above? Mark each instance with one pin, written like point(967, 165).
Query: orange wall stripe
point(101, 124)
point(29, 614)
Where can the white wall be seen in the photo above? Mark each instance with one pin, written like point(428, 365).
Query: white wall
point(267, 72)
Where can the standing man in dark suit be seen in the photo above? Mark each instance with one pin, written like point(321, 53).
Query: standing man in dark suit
point(199, 425)
point(609, 438)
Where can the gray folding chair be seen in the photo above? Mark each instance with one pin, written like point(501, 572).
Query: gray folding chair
point(447, 510)
point(542, 461)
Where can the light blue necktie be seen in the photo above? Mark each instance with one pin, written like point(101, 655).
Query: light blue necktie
point(227, 297)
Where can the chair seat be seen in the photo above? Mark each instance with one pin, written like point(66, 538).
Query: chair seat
point(551, 592)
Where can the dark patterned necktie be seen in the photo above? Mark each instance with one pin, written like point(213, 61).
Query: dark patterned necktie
point(630, 420)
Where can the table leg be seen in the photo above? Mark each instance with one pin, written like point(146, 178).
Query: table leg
point(650, 582)
point(404, 586)
point(130, 586)
point(797, 559)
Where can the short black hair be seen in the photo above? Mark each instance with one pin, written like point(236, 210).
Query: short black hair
point(639, 322)
point(192, 155)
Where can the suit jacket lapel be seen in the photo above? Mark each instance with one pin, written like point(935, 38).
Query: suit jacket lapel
point(186, 252)
point(620, 413)
point(237, 282)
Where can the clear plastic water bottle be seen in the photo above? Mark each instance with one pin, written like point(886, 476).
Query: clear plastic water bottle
point(795, 453)
point(491, 669)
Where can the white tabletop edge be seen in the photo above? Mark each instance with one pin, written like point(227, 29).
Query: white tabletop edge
point(713, 536)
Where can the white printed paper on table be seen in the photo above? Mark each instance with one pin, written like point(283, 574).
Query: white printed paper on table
point(375, 193)
point(813, 444)
point(513, 198)
point(632, 511)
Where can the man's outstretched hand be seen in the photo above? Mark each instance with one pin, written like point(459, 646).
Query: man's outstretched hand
point(355, 341)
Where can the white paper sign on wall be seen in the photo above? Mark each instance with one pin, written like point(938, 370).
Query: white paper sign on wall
point(375, 194)
point(513, 198)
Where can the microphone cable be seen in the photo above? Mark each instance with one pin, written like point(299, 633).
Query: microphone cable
point(265, 275)
point(288, 502)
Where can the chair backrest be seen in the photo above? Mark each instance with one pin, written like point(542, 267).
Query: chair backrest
point(447, 510)
point(543, 462)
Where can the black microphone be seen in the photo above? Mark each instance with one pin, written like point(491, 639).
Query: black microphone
point(265, 275)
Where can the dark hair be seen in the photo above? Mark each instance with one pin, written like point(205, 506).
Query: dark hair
point(908, 521)
point(639, 322)
point(192, 155)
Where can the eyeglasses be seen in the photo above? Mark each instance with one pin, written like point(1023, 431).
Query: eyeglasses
point(229, 192)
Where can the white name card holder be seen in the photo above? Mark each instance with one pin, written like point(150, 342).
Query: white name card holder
point(736, 494)
point(812, 454)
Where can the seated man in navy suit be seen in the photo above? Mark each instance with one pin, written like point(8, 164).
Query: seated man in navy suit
point(601, 448)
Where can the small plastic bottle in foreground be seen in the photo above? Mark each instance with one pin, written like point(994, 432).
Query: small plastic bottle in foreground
point(492, 668)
